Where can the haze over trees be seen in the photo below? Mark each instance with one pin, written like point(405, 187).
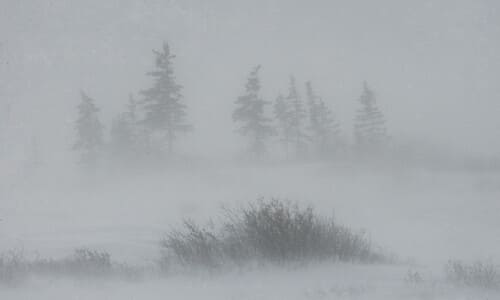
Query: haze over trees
point(324, 128)
point(147, 129)
point(250, 112)
point(245, 157)
point(369, 128)
point(281, 110)
point(124, 135)
point(164, 111)
point(89, 132)
point(297, 118)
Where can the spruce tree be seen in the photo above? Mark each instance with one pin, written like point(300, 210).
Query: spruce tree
point(312, 105)
point(297, 117)
point(132, 109)
point(89, 131)
point(311, 100)
point(323, 126)
point(327, 129)
point(250, 113)
point(281, 109)
point(125, 134)
point(164, 111)
point(369, 126)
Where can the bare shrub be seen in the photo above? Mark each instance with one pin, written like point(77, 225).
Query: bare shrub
point(13, 268)
point(84, 263)
point(273, 231)
point(413, 278)
point(477, 274)
point(90, 262)
point(193, 246)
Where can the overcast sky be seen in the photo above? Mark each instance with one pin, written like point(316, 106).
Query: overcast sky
point(434, 65)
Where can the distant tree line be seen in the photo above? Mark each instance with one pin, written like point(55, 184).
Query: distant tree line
point(148, 128)
point(305, 128)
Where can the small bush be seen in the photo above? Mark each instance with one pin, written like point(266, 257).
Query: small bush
point(84, 263)
point(478, 274)
point(13, 268)
point(192, 246)
point(413, 278)
point(273, 231)
point(91, 262)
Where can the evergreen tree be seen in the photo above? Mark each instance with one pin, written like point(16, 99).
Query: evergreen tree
point(124, 134)
point(323, 127)
point(132, 109)
point(164, 111)
point(327, 129)
point(281, 109)
point(250, 112)
point(312, 105)
point(311, 102)
point(297, 117)
point(89, 131)
point(369, 127)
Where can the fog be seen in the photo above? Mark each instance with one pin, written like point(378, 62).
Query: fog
point(397, 141)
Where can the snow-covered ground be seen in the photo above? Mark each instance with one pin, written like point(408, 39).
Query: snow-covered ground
point(314, 282)
point(426, 216)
